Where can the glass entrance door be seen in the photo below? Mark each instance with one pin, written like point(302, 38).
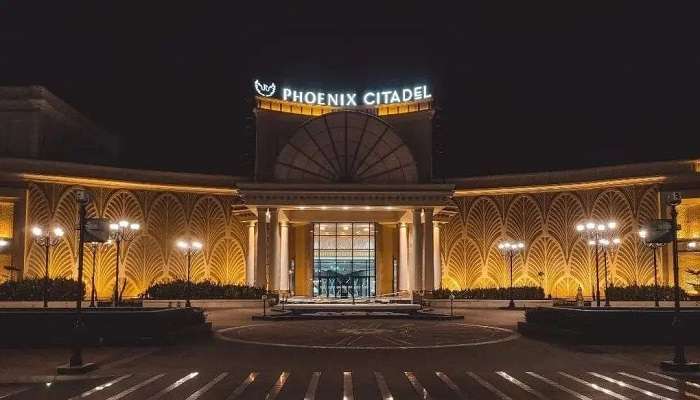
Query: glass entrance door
point(344, 259)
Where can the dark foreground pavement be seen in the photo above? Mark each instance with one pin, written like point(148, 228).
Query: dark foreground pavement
point(364, 359)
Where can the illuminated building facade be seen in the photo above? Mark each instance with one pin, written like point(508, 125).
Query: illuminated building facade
point(342, 203)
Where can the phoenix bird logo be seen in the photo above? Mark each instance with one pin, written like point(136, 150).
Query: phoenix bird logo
point(265, 89)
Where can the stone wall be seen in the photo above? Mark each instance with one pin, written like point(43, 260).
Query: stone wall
point(151, 256)
point(546, 223)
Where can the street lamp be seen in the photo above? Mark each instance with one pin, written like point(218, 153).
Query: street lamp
point(4, 243)
point(94, 249)
point(189, 247)
point(644, 236)
point(608, 246)
point(594, 232)
point(509, 250)
point(47, 239)
point(122, 231)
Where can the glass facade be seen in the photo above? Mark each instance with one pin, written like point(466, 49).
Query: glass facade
point(344, 259)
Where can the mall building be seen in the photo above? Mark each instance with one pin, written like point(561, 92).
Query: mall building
point(342, 203)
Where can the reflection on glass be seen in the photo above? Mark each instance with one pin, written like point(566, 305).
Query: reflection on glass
point(344, 260)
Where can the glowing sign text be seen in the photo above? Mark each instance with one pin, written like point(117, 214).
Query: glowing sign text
point(347, 99)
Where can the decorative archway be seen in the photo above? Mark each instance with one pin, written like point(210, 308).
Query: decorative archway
point(346, 146)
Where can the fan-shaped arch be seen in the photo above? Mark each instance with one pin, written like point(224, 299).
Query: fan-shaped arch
point(346, 146)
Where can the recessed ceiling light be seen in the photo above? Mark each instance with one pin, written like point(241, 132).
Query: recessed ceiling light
point(346, 208)
point(324, 207)
point(368, 207)
point(389, 207)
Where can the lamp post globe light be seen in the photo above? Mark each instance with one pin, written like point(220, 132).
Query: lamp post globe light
point(122, 231)
point(47, 238)
point(189, 247)
point(509, 249)
point(4, 243)
point(95, 248)
point(595, 232)
point(644, 237)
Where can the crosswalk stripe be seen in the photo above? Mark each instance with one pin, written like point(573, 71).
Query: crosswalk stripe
point(135, 387)
point(313, 386)
point(660, 375)
point(521, 385)
point(420, 390)
point(383, 387)
point(242, 387)
point(173, 386)
point(558, 386)
point(594, 386)
point(205, 388)
point(347, 386)
point(628, 386)
point(657, 384)
point(277, 387)
point(450, 384)
point(99, 388)
point(14, 392)
point(489, 386)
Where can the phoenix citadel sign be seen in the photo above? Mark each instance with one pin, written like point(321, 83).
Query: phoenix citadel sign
point(343, 99)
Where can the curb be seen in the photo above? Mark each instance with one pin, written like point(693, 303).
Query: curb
point(9, 379)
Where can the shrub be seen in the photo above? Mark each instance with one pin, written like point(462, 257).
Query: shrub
point(177, 289)
point(642, 292)
point(32, 289)
point(519, 293)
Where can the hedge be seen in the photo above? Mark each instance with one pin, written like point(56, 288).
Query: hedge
point(32, 289)
point(642, 292)
point(202, 290)
point(519, 293)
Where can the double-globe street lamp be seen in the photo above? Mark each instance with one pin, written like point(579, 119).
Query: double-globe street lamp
point(95, 248)
point(595, 232)
point(122, 231)
point(644, 237)
point(188, 247)
point(47, 238)
point(509, 249)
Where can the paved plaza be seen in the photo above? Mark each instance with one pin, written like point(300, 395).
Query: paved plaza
point(356, 359)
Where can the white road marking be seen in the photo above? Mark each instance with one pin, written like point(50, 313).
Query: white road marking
point(347, 386)
point(99, 388)
point(657, 384)
point(135, 387)
point(594, 386)
point(489, 386)
point(313, 386)
point(13, 392)
point(383, 387)
point(277, 387)
point(689, 383)
point(521, 385)
point(450, 384)
point(205, 388)
point(628, 386)
point(420, 390)
point(173, 386)
point(242, 387)
point(558, 386)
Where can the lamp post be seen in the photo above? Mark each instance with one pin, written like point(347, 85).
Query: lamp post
point(47, 239)
point(608, 246)
point(679, 363)
point(594, 232)
point(643, 236)
point(94, 249)
point(189, 247)
point(122, 231)
point(509, 250)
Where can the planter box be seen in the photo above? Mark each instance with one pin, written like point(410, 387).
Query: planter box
point(113, 325)
point(215, 303)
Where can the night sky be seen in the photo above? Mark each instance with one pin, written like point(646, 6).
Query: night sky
point(520, 86)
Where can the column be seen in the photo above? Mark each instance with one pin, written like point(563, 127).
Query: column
point(284, 256)
point(428, 272)
point(250, 260)
point(437, 266)
point(417, 251)
point(274, 283)
point(404, 276)
point(261, 260)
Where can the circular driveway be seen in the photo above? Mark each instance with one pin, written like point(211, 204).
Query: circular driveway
point(367, 334)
